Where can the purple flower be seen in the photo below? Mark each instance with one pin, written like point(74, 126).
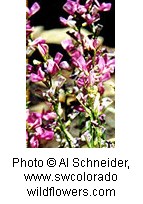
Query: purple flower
point(39, 127)
point(40, 133)
point(90, 44)
point(34, 119)
point(104, 6)
point(105, 77)
point(88, 3)
point(35, 7)
point(91, 18)
point(67, 45)
point(39, 76)
point(81, 9)
point(29, 67)
point(65, 65)
point(40, 44)
point(82, 80)
point(70, 7)
point(105, 64)
point(44, 134)
point(48, 115)
point(73, 7)
point(78, 60)
point(53, 65)
point(58, 57)
point(28, 29)
point(34, 142)
point(68, 22)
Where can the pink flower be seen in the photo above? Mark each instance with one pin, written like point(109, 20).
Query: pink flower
point(105, 64)
point(88, 3)
point(44, 134)
point(40, 44)
point(53, 65)
point(68, 22)
point(78, 60)
point(65, 65)
point(38, 128)
point(34, 142)
point(105, 77)
point(34, 119)
point(82, 80)
point(29, 67)
point(35, 7)
point(67, 45)
point(91, 18)
point(28, 28)
point(70, 7)
point(104, 6)
point(90, 44)
point(48, 115)
point(39, 76)
point(81, 9)
point(58, 57)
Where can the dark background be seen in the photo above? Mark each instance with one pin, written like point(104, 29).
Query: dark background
point(51, 10)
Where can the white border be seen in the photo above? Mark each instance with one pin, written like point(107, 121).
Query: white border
point(128, 106)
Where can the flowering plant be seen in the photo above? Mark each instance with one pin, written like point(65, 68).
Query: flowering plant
point(78, 96)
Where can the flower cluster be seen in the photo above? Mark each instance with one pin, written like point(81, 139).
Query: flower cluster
point(81, 93)
point(87, 13)
point(40, 127)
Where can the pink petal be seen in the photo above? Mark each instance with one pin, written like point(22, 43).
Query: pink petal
point(37, 41)
point(34, 119)
point(63, 21)
point(34, 142)
point(41, 74)
point(29, 67)
point(65, 65)
point(70, 7)
point(43, 49)
point(52, 67)
point(81, 9)
point(88, 4)
point(105, 77)
point(105, 6)
point(67, 45)
point(58, 57)
point(101, 64)
point(49, 116)
point(37, 77)
point(47, 134)
point(35, 7)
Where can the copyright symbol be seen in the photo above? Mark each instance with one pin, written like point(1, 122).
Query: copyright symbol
point(51, 162)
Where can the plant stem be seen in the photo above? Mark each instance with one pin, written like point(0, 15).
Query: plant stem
point(68, 136)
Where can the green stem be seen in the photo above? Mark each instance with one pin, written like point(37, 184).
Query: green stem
point(92, 132)
point(68, 136)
